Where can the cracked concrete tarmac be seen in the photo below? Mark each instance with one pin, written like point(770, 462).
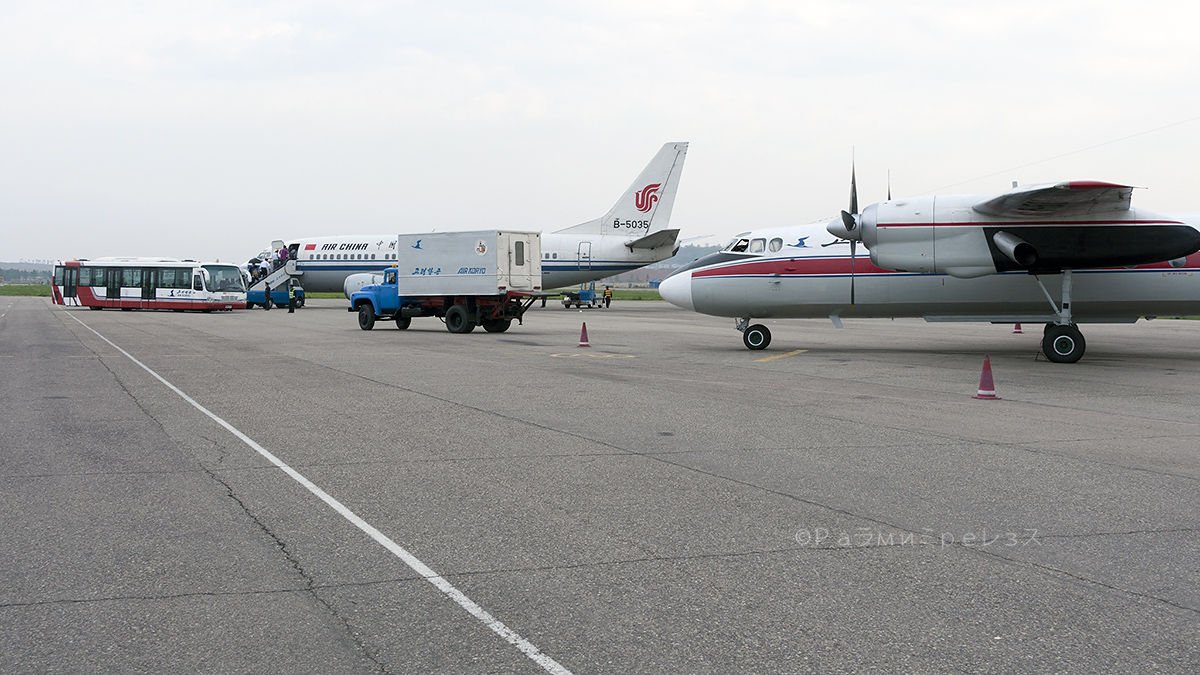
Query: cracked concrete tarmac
point(654, 512)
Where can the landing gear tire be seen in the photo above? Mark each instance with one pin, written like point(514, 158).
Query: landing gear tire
point(497, 325)
point(403, 322)
point(457, 320)
point(1063, 344)
point(756, 337)
point(366, 317)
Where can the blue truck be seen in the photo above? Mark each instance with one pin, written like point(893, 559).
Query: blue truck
point(468, 279)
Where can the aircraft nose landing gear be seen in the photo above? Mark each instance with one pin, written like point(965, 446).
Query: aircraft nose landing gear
point(754, 337)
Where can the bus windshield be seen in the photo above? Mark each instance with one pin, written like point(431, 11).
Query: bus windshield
point(224, 278)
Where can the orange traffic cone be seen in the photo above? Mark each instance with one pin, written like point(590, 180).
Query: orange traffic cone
point(1017, 329)
point(987, 388)
point(583, 339)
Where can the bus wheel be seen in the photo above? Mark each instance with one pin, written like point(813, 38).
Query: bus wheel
point(366, 317)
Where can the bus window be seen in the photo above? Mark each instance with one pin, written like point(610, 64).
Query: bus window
point(131, 277)
point(58, 276)
point(757, 245)
point(519, 249)
point(85, 276)
point(197, 283)
point(98, 277)
point(775, 244)
point(224, 279)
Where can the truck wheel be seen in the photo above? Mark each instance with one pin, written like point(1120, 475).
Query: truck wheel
point(366, 316)
point(497, 325)
point(403, 322)
point(457, 320)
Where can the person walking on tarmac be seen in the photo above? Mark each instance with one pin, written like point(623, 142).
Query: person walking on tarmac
point(607, 296)
point(292, 296)
point(267, 297)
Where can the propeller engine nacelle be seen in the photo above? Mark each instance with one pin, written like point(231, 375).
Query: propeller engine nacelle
point(902, 236)
point(355, 282)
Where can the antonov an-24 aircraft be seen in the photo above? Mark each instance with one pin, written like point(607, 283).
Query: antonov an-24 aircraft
point(632, 234)
point(1062, 254)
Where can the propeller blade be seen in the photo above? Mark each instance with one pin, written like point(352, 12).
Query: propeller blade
point(853, 191)
point(853, 246)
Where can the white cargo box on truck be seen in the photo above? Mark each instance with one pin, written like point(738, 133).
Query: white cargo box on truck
point(484, 262)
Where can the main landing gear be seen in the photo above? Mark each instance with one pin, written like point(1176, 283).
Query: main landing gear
point(755, 336)
point(1062, 342)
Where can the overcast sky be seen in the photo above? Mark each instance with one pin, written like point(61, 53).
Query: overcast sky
point(207, 129)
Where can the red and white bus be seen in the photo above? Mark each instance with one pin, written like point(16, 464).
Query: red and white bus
point(149, 283)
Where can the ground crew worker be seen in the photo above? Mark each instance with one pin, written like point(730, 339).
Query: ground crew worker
point(267, 297)
point(607, 296)
point(292, 297)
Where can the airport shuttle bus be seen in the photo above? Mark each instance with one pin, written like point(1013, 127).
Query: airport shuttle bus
point(148, 283)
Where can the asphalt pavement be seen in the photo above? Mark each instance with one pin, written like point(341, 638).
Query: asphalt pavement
point(664, 500)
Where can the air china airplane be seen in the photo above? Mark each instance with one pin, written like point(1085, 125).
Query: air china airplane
point(960, 258)
point(633, 233)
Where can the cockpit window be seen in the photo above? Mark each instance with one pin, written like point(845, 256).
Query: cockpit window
point(775, 244)
point(738, 245)
point(757, 245)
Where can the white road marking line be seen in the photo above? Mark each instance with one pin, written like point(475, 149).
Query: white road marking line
point(512, 637)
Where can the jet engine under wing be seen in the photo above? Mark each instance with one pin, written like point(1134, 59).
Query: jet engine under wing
point(1072, 198)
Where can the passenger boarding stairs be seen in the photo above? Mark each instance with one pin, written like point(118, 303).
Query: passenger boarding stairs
point(278, 280)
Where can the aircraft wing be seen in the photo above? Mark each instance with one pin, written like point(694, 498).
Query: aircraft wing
point(1072, 198)
point(655, 239)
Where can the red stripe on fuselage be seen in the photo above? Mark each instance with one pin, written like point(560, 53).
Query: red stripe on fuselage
point(863, 265)
point(795, 266)
point(1022, 223)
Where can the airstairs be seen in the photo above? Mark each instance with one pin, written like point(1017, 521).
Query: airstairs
point(278, 281)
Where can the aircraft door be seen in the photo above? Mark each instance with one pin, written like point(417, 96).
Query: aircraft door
point(585, 255)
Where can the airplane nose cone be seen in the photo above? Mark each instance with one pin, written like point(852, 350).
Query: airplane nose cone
point(677, 290)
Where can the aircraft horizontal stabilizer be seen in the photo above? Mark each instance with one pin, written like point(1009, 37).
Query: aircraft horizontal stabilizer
point(1072, 198)
point(655, 239)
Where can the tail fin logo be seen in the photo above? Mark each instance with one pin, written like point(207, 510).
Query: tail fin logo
point(645, 198)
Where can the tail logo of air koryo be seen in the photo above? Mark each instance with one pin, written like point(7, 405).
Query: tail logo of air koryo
point(645, 198)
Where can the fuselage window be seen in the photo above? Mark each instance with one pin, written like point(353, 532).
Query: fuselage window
point(775, 244)
point(757, 245)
